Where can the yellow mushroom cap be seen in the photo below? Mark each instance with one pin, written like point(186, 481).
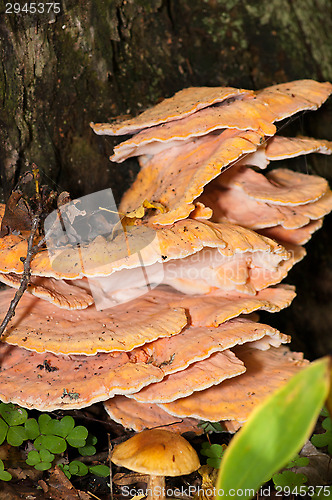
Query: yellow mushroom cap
point(157, 452)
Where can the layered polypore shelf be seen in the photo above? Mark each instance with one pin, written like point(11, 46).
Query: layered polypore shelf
point(183, 345)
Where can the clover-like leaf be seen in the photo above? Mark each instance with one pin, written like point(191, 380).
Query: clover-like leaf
point(55, 444)
point(46, 456)
point(32, 428)
point(89, 448)
point(77, 437)
point(12, 414)
point(44, 420)
point(100, 470)
point(324, 439)
point(211, 427)
point(4, 475)
point(204, 448)
point(324, 412)
point(65, 469)
point(61, 427)
point(33, 458)
point(78, 468)
point(327, 424)
point(43, 466)
point(38, 443)
point(297, 462)
point(320, 440)
point(3, 430)
point(290, 479)
point(16, 435)
point(214, 452)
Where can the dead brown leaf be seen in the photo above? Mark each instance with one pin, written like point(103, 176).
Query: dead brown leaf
point(59, 487)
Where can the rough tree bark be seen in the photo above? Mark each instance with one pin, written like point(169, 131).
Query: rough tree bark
point(98, 59)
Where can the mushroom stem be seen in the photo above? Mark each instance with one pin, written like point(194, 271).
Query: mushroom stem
point(156, 488)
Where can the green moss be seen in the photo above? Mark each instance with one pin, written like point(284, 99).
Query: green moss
point(299, 33)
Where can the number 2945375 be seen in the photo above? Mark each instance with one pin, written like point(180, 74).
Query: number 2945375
point(33, 8)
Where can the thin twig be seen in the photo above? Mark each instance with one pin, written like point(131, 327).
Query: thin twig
point(93, 496)
point(110, 464)
point(31, 251)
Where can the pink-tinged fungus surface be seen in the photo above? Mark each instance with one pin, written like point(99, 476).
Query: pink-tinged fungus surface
point(234, 399)
point(198, 376)
point(177, 176)
point(278, 187)
point(279, 148)
point(46, 382)
point(241, 114)
point(64, 294)
point(138, 416)
point(41, 326)
point(216, 307)
point(286, 99)
point(183, 103)
point(298, 236)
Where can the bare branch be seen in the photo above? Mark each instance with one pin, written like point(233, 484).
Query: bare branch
point(32, 250)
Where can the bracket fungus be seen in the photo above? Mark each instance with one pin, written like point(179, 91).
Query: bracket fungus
point(197, 152)
point(138, 416)
point(226, 235)
point(231, 400)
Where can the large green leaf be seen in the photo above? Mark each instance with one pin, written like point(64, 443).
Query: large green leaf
point(274, 432)
point(329, 397)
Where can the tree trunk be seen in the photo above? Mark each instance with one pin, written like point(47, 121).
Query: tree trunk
point(98, 59)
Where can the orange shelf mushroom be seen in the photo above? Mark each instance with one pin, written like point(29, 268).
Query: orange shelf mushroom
point(234, 399)
point(116, 371)
point(41, 326)
point(281, 148)
point(281, 199)
point(138, 416)
point(66, 295)
point(198, 256)
point(188, 349)
point(231, 400)
point(195, 148)
point(239, 114)
point(177, 176)
point(183, 103)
